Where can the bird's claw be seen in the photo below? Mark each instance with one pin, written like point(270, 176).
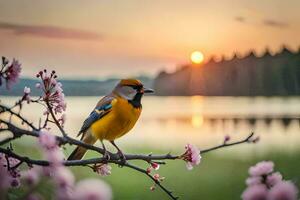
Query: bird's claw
point(106, 156)
point(122, 157)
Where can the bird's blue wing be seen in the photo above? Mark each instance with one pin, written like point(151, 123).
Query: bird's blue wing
point(100, 111)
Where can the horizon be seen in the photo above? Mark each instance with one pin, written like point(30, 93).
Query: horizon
point(120, 39)
point(220, 59)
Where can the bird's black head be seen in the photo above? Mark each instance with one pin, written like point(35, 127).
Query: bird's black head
point(132, 90)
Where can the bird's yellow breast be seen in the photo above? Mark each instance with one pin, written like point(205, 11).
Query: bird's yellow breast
point(117, 122)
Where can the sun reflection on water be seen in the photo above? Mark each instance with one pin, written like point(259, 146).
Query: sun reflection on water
point(197, 118)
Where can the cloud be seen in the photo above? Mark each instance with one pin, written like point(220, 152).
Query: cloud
point(50, 31)
point(265, 22)
point(274, 23)
point(240, 19)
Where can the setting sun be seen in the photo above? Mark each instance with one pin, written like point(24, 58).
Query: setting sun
point(197, 57)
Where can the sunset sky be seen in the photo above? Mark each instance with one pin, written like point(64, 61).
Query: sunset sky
point(98, 39)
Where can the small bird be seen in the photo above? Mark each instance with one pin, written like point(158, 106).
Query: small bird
point(114, 116)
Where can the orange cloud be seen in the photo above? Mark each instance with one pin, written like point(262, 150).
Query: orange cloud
point(50, 31)
point(274, 23)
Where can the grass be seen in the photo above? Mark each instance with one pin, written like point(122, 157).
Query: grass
point(218, 177)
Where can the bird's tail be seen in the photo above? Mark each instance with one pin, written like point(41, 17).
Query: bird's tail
point(79, 152)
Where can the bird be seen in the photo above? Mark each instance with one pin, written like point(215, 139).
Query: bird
point(113, 116)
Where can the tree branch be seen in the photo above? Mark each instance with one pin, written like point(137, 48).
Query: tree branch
point(147, 158)
point(29, 161)
point(18, 132)
point(114, 158)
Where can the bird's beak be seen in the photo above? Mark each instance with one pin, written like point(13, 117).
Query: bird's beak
point(148, 90)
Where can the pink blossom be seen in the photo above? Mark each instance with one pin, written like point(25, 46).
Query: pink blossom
point(26, 94)
point(5, 178)
point(255, 192)
point(103, 169)
point(62, 119)
point(14, 172)
point(13, 162)
point(15, 182)
point(31, 176)
point(273, 179)
point(284, 190)
point(261, 168)
point(156, 177)
point(263, 184)
point(152, 188)
point(254, 180)
point(47, 140)
point(155, 166)
point(64, 178)
point(38, 85)
point(12, 73)
point(48, 171)
point(10, 177)
point(54, 156)
point(226, 138)
point(149, 169)
point(51, 150)
point(191, 156)
point(26, 90)
point(64, 194)
point(92, 189)
point(13, 178)
point(52, 91)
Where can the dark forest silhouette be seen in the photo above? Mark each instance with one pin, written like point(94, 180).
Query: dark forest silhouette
point(266, 75)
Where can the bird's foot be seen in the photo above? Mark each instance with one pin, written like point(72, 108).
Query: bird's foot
point(122, 157)
point(106, 157)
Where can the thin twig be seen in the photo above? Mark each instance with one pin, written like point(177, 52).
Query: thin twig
point(6, 109)
point(246, 140)
point(55, 120)
point(170, 193)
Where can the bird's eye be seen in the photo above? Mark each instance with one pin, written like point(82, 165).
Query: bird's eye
point(136, 87)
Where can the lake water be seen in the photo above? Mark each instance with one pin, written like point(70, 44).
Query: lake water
point(171, 122)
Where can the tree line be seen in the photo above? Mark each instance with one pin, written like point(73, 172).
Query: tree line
point(251, 75)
